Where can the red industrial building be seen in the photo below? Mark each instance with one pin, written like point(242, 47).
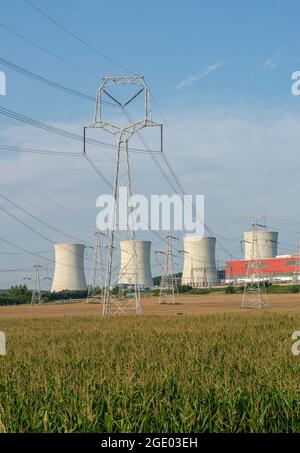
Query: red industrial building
point(282, 269)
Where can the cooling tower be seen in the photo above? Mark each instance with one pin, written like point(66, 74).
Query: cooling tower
point(69, 267)
point(127, 274)
point(267, 244)
point(199, 268)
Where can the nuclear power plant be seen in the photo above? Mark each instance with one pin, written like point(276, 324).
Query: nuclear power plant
point(69, 268)
point(129, 275)
point(260, 259)
point(199, 268)
point(199, 263)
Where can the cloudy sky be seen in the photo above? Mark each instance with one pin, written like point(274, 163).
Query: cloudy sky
point(220, 73)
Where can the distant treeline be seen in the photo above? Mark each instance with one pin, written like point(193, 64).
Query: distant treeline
point(20, 294)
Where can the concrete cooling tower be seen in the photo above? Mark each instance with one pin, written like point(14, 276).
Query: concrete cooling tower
point(267, 245)
point(69, 267)
point(127, 275)
point(199, 268)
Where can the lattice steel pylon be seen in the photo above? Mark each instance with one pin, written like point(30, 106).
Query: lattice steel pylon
point(95, 287)
point(168, 293)
point(255, 294)
point(112, 304)
point(296, 274)
point(36, 297)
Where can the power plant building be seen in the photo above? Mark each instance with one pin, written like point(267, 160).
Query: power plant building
point(281, 269)
point(261, 261)
point(199, 268)
point(130, 273)
point(69, 268)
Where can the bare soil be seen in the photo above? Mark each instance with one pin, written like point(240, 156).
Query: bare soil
point(188, 304)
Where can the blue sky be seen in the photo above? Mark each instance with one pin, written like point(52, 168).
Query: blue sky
point(221, 72)
point(167, 41)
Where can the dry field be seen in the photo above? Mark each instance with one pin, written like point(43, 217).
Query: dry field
point(189, 304)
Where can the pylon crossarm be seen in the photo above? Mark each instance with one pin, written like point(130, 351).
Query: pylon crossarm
point(111, 128)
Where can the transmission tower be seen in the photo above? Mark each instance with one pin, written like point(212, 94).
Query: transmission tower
point(168, 285)
point(112, 304)
point(297, 264)
point(192, 278)
point(201, 272)
point(255, 294)
point(36, 297)
point(96, 284)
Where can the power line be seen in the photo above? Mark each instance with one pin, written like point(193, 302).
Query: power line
point(58, 230)
point(22, 249)
point(86, 44)
point(61, 132)
point(118, 64)
point(175, 177)
point(99, 172)
point(93, 49)
point(77, 137)
point(284, 230)
point(97, 169)
point(39, 151)
point(38, 233)
point(63, 60)
point(35, 190)
point(19, 253)
point(21, 269)
point(154, 158)
point(187, 160)
point(50, 83)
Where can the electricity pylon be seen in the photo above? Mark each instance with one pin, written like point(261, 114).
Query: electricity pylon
point(112, 304)
point(36, 297)
point(198, 275)
point(168, 293)
point(95, 287)
point(297, 264)
point(255, 294)
point(200, 271)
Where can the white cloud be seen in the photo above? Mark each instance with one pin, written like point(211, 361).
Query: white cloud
point(249, 164)
point(273, 61)
point(205, 71)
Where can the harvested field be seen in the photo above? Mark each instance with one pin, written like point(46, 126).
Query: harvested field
point(191, 305)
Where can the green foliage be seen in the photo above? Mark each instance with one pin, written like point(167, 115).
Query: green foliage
point(16, 295)
point(184, 288)
point(211, 373)
point(19, 291)
point(230, 289)
point(283, 289)
point(200, 291)
point(64, 295)
point(22, 295)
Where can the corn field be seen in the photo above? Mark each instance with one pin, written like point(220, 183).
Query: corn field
point(210, 373)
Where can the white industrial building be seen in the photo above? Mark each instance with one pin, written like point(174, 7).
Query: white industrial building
point(128, 269)
point(69, 268)
point(199, 268)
